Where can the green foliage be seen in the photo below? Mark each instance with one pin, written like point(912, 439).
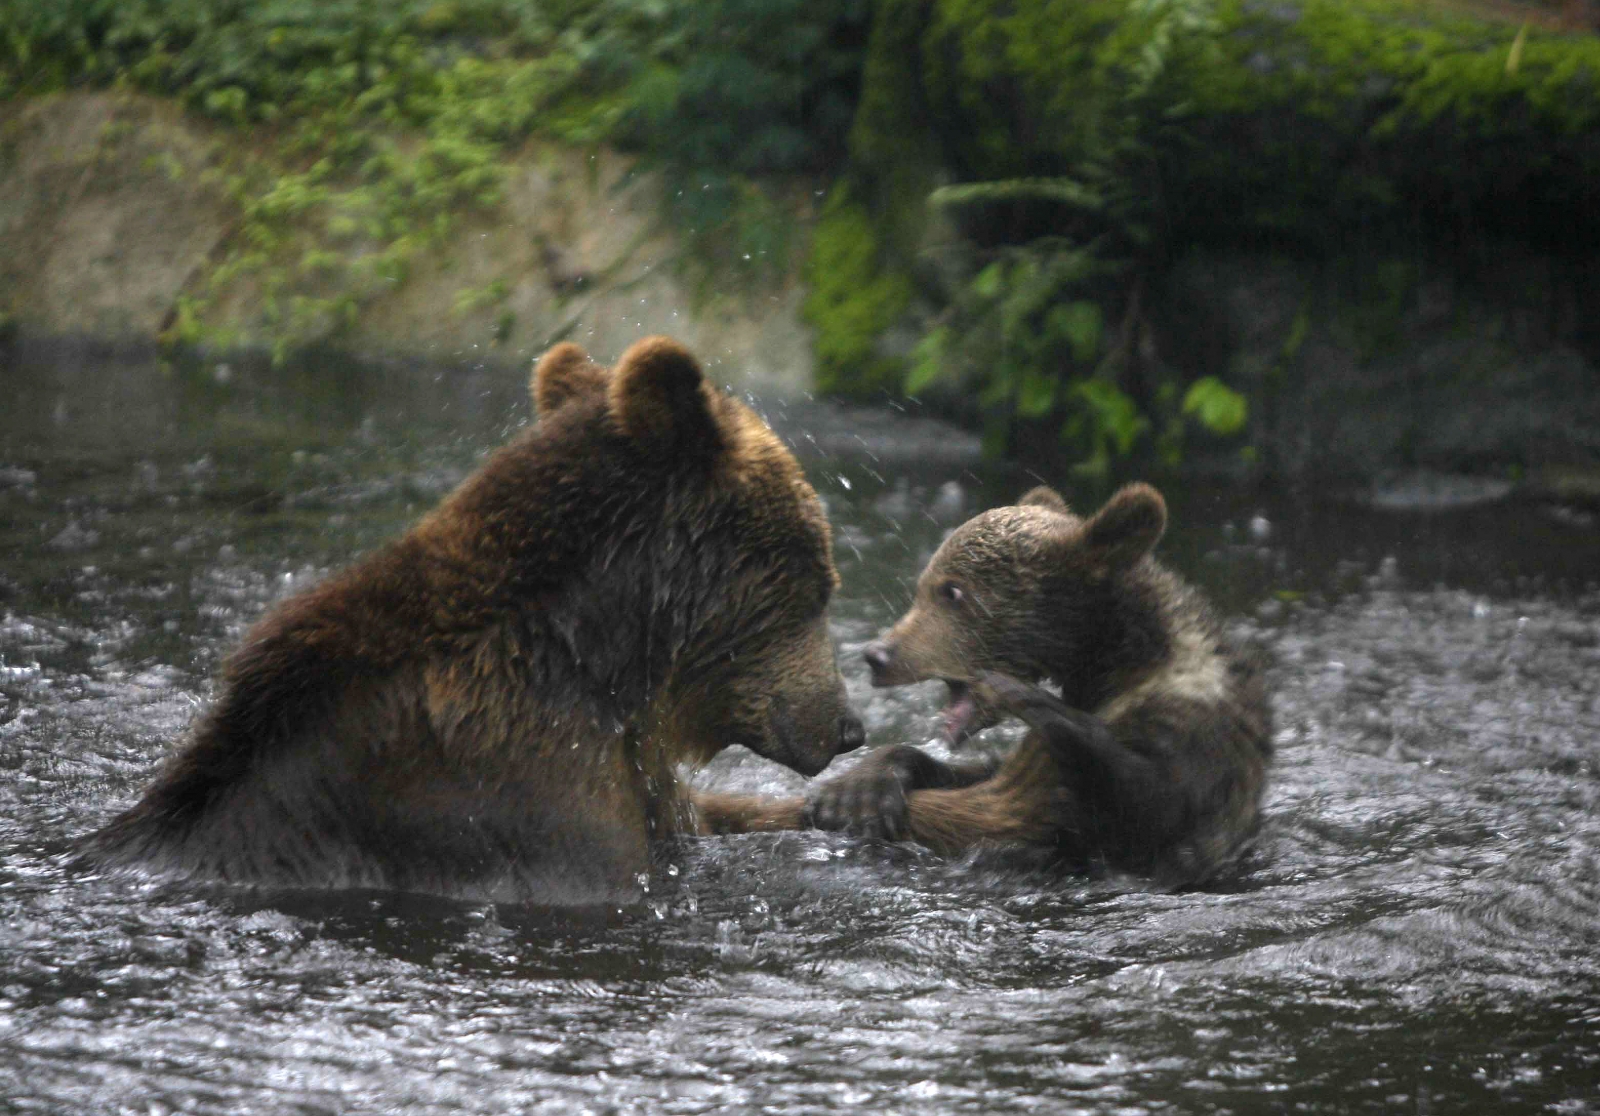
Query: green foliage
point(1218, 407)
point(1107, 424)
point(1039, 103)
point(384, 123)
point(1065, 191)
point(1027, 333)
point(1020, 320)
point(751, 87)
point(1023, 336)
point(731, 92)
point(492, 293)
point(256, 59)
point(850, 299)
point(1027, 337)
point(928, 360)
point(1128, 130)
point(1080, 323)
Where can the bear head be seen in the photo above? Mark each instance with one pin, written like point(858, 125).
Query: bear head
point(712, 565)
point(1036, 592)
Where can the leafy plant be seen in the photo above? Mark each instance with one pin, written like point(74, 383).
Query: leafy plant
point(1027, 337)
point(851, 299)
point(1054, 258)
point(380, 125)
point(733, 92)
point(1134, 129)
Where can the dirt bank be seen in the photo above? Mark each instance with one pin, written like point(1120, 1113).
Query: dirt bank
point(119, 210)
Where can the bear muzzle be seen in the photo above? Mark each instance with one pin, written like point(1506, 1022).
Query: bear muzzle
point(888, 668)
point(792, 746)
point(964, 713)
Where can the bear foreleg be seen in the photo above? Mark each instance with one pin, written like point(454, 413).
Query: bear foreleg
point(1082, 743)
point(717, 814)
point(871, 800)
point(1069, 783)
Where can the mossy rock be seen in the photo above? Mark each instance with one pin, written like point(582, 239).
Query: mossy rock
point(1299, 127)
point(1279, 119)
point(852, 300)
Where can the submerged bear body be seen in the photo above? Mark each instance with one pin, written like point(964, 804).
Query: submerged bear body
point(493, 705)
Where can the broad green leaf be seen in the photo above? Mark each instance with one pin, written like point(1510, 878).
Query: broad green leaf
point(1218, 407)
point(1081, 323)
point(927, 360)
point(990, 280)
point(1112, 415)
point(1036, 395)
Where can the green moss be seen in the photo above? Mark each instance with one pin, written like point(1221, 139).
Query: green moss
point(852, 299)
point(1370, 293)
point(1138, 128)
point(1197, 99)
point(891, 121)
point(374, 128)
point(371, 129)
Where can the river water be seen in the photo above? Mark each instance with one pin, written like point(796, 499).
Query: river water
point(1416, 930)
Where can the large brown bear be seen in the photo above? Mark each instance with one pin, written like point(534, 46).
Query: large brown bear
point(492, 705)
point(1154, 757)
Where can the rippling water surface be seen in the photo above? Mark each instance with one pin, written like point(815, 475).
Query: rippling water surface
point(1416, 931)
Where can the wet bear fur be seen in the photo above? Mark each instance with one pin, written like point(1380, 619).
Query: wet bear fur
point(493, 705)
point(1154, 757)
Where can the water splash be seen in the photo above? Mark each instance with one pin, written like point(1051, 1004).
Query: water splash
point(1413, 930)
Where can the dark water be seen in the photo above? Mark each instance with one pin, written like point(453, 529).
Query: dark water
point(1416, 932)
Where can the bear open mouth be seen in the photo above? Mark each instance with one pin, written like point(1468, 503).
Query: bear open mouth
point(960, 715)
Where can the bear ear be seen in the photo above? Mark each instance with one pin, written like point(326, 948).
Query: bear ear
point(1128, 527)
point(563, 373)
point(659, 396)
point(1044, 497)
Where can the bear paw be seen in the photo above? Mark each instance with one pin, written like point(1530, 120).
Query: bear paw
point(869, 801)
point(996, 692)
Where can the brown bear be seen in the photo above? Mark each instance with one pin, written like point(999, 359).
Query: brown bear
point(492, 706)
point(1153, 759)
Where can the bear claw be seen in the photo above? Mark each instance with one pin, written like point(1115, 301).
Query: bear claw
point(870, 801)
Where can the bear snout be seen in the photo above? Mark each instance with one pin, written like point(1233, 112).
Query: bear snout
point(880, 659)
point(808, 745)
point(889, 667)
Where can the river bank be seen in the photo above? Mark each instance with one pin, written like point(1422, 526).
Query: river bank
point(1324, 244)
point(114, 213)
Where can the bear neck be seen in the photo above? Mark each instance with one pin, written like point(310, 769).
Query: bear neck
point(1118, 640)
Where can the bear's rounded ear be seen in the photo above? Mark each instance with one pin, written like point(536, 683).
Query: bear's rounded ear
point(659, 396)
point(1128, 527)
point(562, 374)
point(1044, 497)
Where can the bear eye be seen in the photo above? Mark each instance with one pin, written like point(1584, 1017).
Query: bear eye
point(951, 592)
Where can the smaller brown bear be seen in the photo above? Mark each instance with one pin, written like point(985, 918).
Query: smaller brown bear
point(493, 705)
point(1155, 756)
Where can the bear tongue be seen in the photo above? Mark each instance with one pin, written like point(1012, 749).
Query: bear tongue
point(959, 713)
